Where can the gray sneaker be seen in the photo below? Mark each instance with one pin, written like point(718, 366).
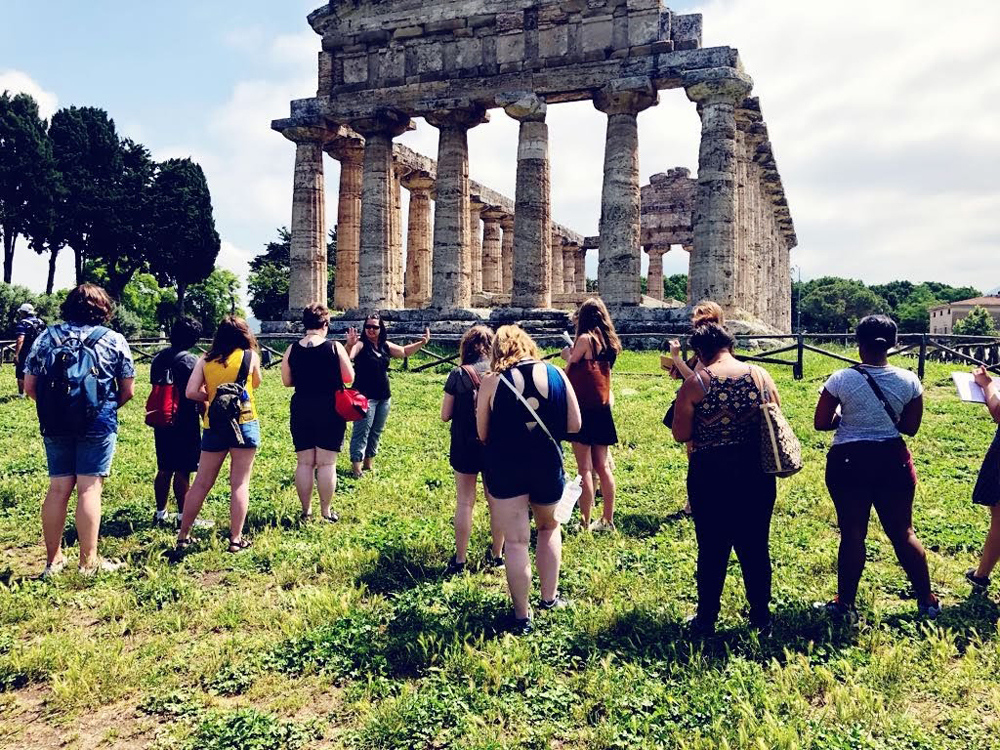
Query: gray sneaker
point(930, 611)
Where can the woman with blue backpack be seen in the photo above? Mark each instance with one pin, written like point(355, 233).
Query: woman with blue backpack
point(226, 378)
point(79, 373)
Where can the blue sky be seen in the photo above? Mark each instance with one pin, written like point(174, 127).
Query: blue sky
point(883, 125)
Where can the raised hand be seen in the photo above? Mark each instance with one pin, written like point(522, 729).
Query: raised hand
point(675, 348)
point(352, 337)
point(982, 377)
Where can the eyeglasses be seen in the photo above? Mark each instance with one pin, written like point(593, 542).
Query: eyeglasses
point(371, 327)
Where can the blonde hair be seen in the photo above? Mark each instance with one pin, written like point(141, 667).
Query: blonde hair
point(593, 318)
point(510, 346)
point(707, 311)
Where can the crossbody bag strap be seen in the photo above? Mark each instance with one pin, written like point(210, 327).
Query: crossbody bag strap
point(533, 413)
point(878, 393)
point(244, 373)
point(473, 375)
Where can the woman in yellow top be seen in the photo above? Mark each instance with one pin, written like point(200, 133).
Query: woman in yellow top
point(222, 364)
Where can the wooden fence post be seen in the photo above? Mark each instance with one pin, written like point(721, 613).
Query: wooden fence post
point(923, 356)
point(799, 355)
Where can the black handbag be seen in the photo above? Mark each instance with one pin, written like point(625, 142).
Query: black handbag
point(668, 418)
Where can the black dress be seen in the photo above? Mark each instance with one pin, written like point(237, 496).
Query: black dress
point(314, 421)
point(597, 423)
point(987, 491)
point(466, 454)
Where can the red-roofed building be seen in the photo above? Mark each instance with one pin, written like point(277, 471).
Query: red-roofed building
point(944, 317)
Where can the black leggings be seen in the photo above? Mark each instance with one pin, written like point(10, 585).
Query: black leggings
point(728, 514)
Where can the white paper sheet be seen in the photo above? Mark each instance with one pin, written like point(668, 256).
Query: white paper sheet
point(967, 388)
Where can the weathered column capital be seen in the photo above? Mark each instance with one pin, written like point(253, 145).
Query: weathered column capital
point(720, 86)
point(507, 222)
point(418, 182)
point(462, 118)
point(627, 96)
point(385, 122)
point(656, 250)
point(346, 150)
point(306, 134)
point(524, 107)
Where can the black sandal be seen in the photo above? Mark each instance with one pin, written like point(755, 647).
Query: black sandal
point(183, 544)
point(235, 547)
point(331, 518)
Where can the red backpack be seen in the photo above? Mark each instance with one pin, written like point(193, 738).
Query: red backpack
point(165, 398)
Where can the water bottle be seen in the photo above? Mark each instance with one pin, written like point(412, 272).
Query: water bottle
point(571, 494)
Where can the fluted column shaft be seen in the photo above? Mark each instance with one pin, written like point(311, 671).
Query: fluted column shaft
point(556, 278)
point(377, 205)
point(476, 246)
point(713, 271)
point(569, 253)
point(418, 244)
point(654, 276)
point(452, 285)
point(532, 208)
point(396, 235)
point(307, 256)
point(581, 271)
point(620, 260)
point(492, 253)
point(507, 255)
point(351, 157)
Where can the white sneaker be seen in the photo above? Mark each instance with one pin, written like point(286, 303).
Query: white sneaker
point(54, 567)
point(600, 525)
point(103, 566)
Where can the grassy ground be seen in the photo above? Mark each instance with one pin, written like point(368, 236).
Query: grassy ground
point(348, 636)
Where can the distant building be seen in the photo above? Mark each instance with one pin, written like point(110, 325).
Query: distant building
point(944, 317)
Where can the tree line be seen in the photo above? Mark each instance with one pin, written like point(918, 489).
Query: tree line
point(75, 183)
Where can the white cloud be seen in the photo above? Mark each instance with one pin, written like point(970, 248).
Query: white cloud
point(19, 82)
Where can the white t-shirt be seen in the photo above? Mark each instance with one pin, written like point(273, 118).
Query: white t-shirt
point(863, 416)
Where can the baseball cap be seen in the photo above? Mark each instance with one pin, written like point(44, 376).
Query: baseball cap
point(27, 307)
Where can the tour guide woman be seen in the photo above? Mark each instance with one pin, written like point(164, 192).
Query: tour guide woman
point(718, 411)
point(871, 406)
point(371, 354)
point(523, 463)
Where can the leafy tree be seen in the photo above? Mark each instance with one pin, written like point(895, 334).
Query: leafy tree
point(144, 297)
point(213, 298)
point(835, 304)
point(978, 322)
point(12, 297)
point(89, 158)
point(28, 176)
point(183, 228)
point(675, 287)
point(269, 272)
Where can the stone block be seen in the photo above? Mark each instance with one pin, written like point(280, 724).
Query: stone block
point(445, 24)
point(424, 58)
point(553, 41)
point(356, 69)
point(476, 22)
point(662, 47)
point(511, 67)
point(408, 32)
point(596, 33)
point(325, 72)
point(469, 53)
point(373, 36)
point(686, 31)
point(510, 48)
point(392, 66)
point(552, 14)
point(507, 22)
point(643, 28)
point(634, 5)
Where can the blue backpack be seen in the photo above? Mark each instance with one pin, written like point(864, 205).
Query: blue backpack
point(70, 395)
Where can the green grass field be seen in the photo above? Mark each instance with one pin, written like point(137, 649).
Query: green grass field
point(349, 636)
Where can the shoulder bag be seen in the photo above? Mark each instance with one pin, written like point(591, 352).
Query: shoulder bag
point(878, 394)
point(780, 450)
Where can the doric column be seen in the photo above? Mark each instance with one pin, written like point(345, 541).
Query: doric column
point(620, 261)
point(476, 245)
point(713, 271)
point(507, 255)
point(396, 235)
point(532, 210)
point(556, 265)
point(689, 249)
point(377, 205)
point(350, 153)
point(418, 240)
point(654, 276)
point(452, 267)
point(581, 271)
point(569, 252)
point(492, 251)
point(307, 281)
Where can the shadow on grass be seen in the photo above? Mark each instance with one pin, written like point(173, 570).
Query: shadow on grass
point(644, 525)
point(973, 619)
point(398, 569)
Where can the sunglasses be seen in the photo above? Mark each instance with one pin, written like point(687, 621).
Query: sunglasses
point(371, 327)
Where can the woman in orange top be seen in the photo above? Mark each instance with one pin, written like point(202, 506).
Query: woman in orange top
point(233, 345)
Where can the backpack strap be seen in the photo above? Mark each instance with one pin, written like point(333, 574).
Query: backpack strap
point(878, 393)
point(56, 338)
point(473, 375)
point(96, 335)
point(244, 373)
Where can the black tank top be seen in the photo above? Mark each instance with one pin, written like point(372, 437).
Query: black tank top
point(371, 371)
point(315, 369)
point(513, 432)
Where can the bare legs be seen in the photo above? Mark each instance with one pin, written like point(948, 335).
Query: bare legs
point(316, 467)
point(465, 485)
point(209, 466)
point(161, 489)
point(512, 514)
point(88, 516)
point(991, 548)
point(591, 458)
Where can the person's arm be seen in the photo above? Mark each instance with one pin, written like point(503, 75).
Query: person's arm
point(680, 366)
point(256, 372)
point(484, 407)
point(346, 368)
point(399, 352)
point(683, 426)
point(448, 407)
point(985, 381)
point(913, 414)
point(579, 351)
point(126, 390)
point(17, 346)
point(574, 420)
point(286, 370)
point(827, 416)
point(31, 386)
point(196, 390)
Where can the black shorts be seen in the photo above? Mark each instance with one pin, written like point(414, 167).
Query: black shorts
point(466, 457)
point(539, 476)
point(315, 423)
point(177, 448)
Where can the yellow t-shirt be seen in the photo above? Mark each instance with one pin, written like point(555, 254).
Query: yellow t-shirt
point(217, 373)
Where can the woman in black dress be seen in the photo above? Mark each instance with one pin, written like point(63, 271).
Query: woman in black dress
point(317, 368)
point(987, 491)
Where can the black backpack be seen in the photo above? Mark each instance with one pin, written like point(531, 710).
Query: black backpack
point(70, 395)
point(227, 404)
point(30, 336)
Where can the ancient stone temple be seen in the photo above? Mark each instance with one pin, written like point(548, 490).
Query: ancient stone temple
point(385, 62)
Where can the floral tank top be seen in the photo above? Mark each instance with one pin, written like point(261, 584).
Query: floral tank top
point(729, 413)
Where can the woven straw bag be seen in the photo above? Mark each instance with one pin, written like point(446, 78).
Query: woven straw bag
point(780, 450)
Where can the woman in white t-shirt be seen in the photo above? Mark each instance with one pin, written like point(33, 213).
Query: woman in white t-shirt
point(871, 406)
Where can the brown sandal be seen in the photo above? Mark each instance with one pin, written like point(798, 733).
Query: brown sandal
point(239, 545)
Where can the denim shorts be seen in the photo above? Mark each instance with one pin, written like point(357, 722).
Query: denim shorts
point(217, 441)
point(86, 456)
